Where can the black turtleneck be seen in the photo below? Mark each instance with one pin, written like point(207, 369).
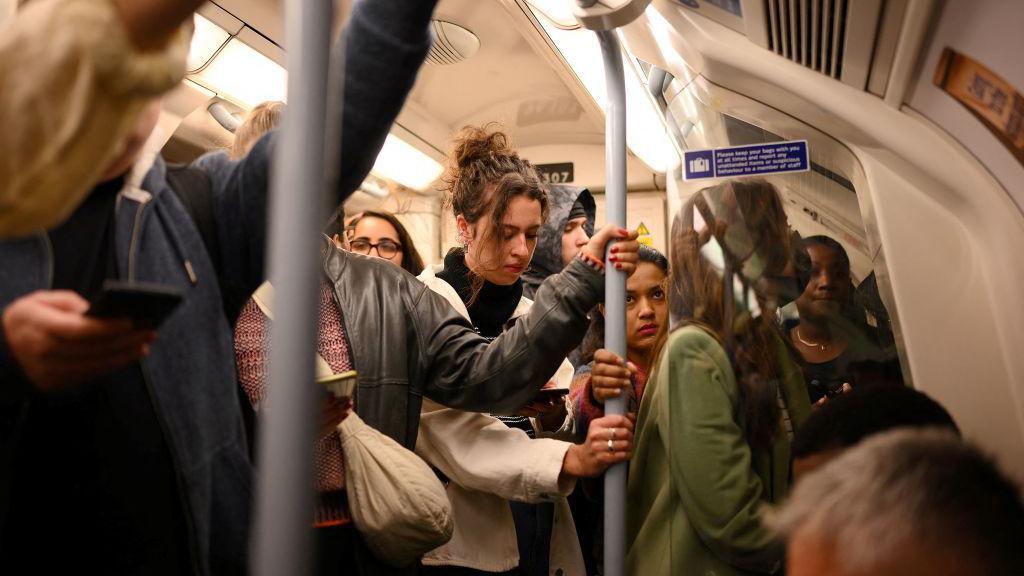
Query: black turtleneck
point(494, 304)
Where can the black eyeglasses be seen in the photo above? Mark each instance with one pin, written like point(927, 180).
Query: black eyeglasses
point(386, 249)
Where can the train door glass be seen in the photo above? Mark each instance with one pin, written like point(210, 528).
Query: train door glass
point(774, 305)
point(822, 206)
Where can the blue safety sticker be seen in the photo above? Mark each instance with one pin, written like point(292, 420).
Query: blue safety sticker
point(752, 160)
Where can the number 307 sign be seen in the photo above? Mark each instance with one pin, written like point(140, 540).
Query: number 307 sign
point(561, 173)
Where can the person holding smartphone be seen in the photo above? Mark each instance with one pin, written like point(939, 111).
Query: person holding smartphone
point(85, 71)
point(499, 206)
point(410, 345)
point(125, 449)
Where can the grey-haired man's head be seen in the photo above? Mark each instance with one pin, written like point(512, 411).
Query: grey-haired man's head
point(908, 502)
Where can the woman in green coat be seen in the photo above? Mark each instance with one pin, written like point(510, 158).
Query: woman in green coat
point(722, 404)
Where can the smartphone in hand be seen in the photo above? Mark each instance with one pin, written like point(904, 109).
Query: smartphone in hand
point(147, 305)
point(548, 395)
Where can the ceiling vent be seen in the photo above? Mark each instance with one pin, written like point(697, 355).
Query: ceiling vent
point(452, 43)
point(852, 41)
point(810, 33)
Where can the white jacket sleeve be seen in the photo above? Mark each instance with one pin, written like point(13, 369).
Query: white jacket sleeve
point(481, 453)
point(73, 88)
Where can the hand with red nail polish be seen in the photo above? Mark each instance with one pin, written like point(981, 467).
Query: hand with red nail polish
point(624, 250)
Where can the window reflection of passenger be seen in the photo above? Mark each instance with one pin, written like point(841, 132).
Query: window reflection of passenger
point(724, 398)
point(867, 297)
point(381, 234)
point(838, 347)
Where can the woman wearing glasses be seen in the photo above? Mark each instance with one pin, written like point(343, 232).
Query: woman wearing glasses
point(381, 234)
point(412, 349)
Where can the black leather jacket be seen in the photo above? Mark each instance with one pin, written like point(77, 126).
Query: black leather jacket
point(408, 342)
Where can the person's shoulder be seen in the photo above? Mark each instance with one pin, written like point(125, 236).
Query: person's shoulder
point(442, 289)
point(699, 357)
point(213, 160)
point(435, 283)
point(523, 307)
point(694, 340)
point(368, 269)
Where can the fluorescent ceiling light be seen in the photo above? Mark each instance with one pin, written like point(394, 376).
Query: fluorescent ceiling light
point(645, 131)
point(401, 162)
point(207, 39)
point(375, 187)
point(243, 75)
point(558, 12)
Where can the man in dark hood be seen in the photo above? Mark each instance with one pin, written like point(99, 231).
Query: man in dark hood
point(568, 228)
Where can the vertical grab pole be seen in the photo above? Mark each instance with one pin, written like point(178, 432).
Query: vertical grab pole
point(604, 17)
point(282, 542)
point(614, 290)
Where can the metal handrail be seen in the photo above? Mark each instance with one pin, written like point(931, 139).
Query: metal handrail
point(614, 290)
point(604, 18)
point(282, 541)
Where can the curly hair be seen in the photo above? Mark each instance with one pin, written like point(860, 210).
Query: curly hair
point(484, 174)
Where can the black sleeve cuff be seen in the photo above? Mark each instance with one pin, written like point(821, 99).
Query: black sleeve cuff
point(14, 385)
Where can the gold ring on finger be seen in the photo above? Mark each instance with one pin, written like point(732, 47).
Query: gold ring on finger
point(611, 448)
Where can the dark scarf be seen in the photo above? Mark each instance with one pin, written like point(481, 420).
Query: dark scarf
point(493, 306)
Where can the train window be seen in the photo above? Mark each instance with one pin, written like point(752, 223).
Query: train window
point(838, 322)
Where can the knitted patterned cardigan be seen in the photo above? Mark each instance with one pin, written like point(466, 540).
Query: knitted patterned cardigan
point(252, 342)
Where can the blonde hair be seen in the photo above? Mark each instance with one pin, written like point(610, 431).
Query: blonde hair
point(260, 120)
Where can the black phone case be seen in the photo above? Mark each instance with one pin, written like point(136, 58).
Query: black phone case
point(552, 393)
point(148, 305)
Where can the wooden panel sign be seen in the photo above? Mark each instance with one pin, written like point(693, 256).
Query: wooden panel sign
point(991, 99)
point(561, 173)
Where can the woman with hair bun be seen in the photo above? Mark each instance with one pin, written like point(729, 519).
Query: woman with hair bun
point(509, 474)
